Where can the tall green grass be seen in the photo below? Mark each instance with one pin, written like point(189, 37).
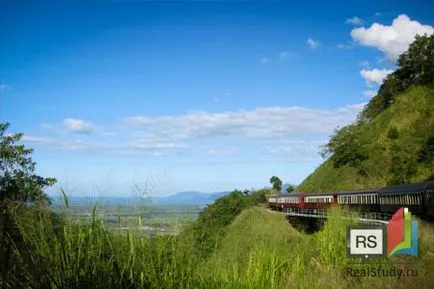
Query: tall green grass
point(258, 250)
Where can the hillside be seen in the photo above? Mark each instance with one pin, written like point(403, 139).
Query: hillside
point(261, 250)
point(393, 142)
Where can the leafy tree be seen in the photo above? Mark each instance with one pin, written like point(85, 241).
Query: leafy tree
point(345, 147)
point(415, 66)
point(277, 183)
point(290, 188)
point(18, 181)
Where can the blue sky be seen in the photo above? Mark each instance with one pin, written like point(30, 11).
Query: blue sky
point(192, 95)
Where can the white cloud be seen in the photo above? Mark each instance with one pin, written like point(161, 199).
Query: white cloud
point(374, 76)
point(393, 40)
point(214, 151)
point(260, 123)
point(135, 147)
point(297, 149)
point(72, 145)
point(354, 21)
point(4, 87)
point(364, 63)
point(265, 60)
point(313, 44)
point(144, 144)
point(345, 46)
point(208, 134)
point(78, 126)
point(369, 93)
point(36, 139)
point(285, 55)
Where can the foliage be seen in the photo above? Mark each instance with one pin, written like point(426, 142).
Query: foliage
point(290, 188)
point(415, 67)
point(411, 116)
point(18, 181)
point(277, 183)
point(393, 133)
point(211, 224)
point(18, 185)
point(345, 147)
point(403, 166)
point(259, 250)
point(426, 153)
point(391, 142)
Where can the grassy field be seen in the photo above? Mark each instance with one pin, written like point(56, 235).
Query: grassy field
point(144, 217)
point(259, 250)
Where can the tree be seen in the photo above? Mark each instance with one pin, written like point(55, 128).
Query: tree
point(345, 147)
point(277, 183)
point(415, 66)
point(290, 188)
point(18, 181)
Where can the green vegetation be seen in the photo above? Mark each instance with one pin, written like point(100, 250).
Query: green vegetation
point(290, 188)
point(18, 181)
point(257, 250)
point(18, 184)
point(392, 141)
point(276, 182)
point(235, 242)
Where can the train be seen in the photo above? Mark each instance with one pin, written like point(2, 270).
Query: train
point(418, 198)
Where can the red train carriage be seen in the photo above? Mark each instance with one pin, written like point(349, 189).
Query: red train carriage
point(283, 201)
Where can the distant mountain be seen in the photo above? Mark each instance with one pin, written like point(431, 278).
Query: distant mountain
point(195, 198)
point(182, 198)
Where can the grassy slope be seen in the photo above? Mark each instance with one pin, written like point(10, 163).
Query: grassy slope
point(412, 115)
point(260, 250)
